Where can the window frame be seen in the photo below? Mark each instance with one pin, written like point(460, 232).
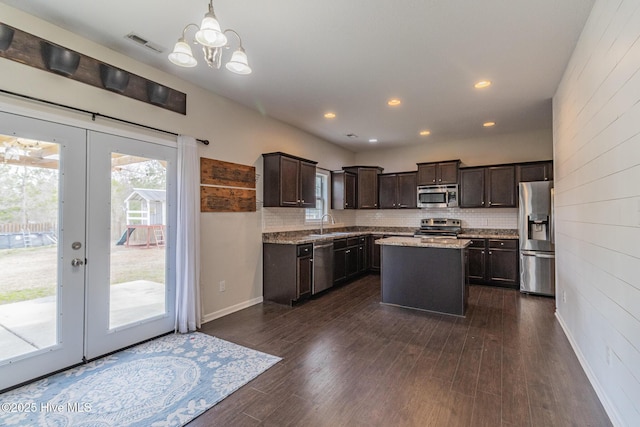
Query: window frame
point(312, 216)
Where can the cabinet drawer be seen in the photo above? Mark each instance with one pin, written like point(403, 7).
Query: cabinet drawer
point(305, 250)
point(477, 243)
point(353, 241)
point(339, 243)
point(503, 244)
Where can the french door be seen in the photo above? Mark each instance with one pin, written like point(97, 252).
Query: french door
point(87, 232)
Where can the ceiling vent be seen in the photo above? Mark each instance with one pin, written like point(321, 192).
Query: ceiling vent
point(136, 38)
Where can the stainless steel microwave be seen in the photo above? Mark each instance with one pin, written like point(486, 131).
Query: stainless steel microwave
point(438, 196)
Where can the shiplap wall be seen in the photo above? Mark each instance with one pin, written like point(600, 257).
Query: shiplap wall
point(597, 180)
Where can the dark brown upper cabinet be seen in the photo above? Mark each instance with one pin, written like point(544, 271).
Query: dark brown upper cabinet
point(488, 187)
point(343, 190)
point(472, 191)
point(438, 173)
point(501, 186)
point(534, 171)
point(366, 185)
point(397, 190)
point(289, 181)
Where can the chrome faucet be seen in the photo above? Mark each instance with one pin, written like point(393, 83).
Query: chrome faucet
point(333, 221)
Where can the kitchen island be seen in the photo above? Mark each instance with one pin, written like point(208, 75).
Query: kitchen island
point(425, 273)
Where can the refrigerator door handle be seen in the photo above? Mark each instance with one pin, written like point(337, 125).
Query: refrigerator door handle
point(552, 227)
point(538, 254)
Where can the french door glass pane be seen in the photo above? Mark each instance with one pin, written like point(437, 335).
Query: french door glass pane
point(138, 237)
point(29, 180)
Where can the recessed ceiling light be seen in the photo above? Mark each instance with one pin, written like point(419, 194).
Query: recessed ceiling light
point(482, 84)
point(425, 132)
point(489, 124)
point(394, 102)
point(352, 135)
point(372, 140)
point(329, 115)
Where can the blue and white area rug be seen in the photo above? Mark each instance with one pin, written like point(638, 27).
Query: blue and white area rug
point(165, 382)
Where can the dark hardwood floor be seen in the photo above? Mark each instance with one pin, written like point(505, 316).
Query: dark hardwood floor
point(350, 361)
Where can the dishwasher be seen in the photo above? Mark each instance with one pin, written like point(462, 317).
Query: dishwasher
point(322, 267)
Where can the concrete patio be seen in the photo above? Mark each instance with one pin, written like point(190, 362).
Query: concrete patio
point(31, 325)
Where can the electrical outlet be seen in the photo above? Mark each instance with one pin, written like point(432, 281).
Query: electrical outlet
point(564, 296)
point(223, 286)
point(608, 356)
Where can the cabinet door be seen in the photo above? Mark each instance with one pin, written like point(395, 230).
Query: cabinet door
point(477, 261)
point(542, 171)
point(307, 185)
point(289, 181)
point(387, 187)
point(503, 266)
point(472, 188)
point(304, 276)
point(339, 265)
point(501, 186)
point(351, 261)
point(375, 253)
point(447, 173)
point(407, 191)
point(427, 174)
point(362, 257)
point(367, 188)
point(349, 191)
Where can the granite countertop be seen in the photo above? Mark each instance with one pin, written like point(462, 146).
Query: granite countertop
point(425, 242)
point(310, 236)
point(488, 233)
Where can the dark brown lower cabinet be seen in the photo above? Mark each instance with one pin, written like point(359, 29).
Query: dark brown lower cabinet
point(374, 252)
point(350, 258)
point(287, 272)
point(305, 276)
point(494, 262)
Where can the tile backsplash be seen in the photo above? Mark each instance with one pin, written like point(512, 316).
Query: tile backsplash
point(287, 219)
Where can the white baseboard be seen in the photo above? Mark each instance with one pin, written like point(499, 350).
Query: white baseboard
point(226, 311)
point(606, 403)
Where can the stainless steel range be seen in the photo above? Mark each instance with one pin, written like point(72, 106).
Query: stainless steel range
point(439, 227)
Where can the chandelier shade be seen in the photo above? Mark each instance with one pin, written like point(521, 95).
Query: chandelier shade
point(238, 63)
point(182, 55)
point(213, 40)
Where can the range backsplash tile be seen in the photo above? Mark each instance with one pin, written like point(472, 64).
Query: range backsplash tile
point(286, 219)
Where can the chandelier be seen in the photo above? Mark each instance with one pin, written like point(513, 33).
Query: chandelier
point(213, 40)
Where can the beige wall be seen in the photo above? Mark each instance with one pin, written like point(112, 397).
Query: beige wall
point(511, 148)
point(231, 243)
point(597, 179)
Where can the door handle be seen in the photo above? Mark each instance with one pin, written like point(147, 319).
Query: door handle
point(77, 262)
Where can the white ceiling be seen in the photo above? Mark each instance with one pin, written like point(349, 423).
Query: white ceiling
point(350, 57)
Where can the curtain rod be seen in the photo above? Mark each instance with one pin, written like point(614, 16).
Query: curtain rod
point(94, 115)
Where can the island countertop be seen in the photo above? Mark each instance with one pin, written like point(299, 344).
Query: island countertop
point(425, 242)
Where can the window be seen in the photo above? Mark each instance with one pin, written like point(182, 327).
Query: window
point(322, 198)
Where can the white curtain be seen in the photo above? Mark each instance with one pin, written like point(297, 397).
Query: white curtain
point(188, 237)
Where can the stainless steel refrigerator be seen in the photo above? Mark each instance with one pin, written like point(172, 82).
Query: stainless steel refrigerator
point(537, 251)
